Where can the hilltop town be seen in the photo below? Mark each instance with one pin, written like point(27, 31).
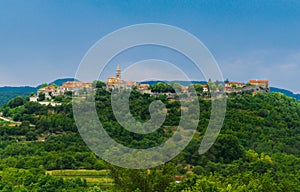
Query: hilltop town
point(116, 82)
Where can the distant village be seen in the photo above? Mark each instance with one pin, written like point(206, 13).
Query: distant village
point(76, 87)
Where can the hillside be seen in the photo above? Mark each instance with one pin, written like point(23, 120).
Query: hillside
point(257, 149)
point(286, 92)
point(7, 93)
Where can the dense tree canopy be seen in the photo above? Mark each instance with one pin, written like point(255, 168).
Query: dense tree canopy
point(257, 149)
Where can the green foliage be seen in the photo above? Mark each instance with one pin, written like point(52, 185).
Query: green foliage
point(244, 181)
point(59, 98)
point(35, 179)
point(196, 87)
point(41, 96)
point(257, 149)
point(98, 84)
point(162, 88)
point(53, 84)
point(44, 85)
point(227, 149)
point(18, 101)
point(8, 93)
point(147, 180)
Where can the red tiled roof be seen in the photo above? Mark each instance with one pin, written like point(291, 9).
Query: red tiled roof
point(144, 85)
point(259, 81)
point(237, 83)
point(50, 87)
point(179, 178)
point(74, 84)
point(130, 83)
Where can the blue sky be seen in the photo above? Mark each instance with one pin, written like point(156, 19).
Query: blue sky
point(44, 40)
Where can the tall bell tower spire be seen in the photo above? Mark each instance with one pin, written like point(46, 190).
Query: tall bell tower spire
point(118, 72)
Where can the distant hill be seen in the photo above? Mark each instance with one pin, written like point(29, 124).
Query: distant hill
point(26, 89)
point(286, 92)
point(59, 82)
point(7, 93)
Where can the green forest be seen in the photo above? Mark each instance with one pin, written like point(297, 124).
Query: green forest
point(5, 96)
point(257, 149)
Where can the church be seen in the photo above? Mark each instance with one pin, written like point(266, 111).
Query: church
point(118, 83)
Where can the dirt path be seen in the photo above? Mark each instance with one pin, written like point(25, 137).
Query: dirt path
point(12, 121)
point(9, 120)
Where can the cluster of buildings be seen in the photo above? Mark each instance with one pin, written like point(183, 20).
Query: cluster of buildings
point(254, 86)
point(117, 82)
point(69, 86)
point(72, 86)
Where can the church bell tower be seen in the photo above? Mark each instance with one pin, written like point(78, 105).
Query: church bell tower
point(118, 72)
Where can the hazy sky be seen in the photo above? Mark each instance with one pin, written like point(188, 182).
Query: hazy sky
point(44, 40)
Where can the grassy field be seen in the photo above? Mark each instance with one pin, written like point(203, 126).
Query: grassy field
point(98, 177)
